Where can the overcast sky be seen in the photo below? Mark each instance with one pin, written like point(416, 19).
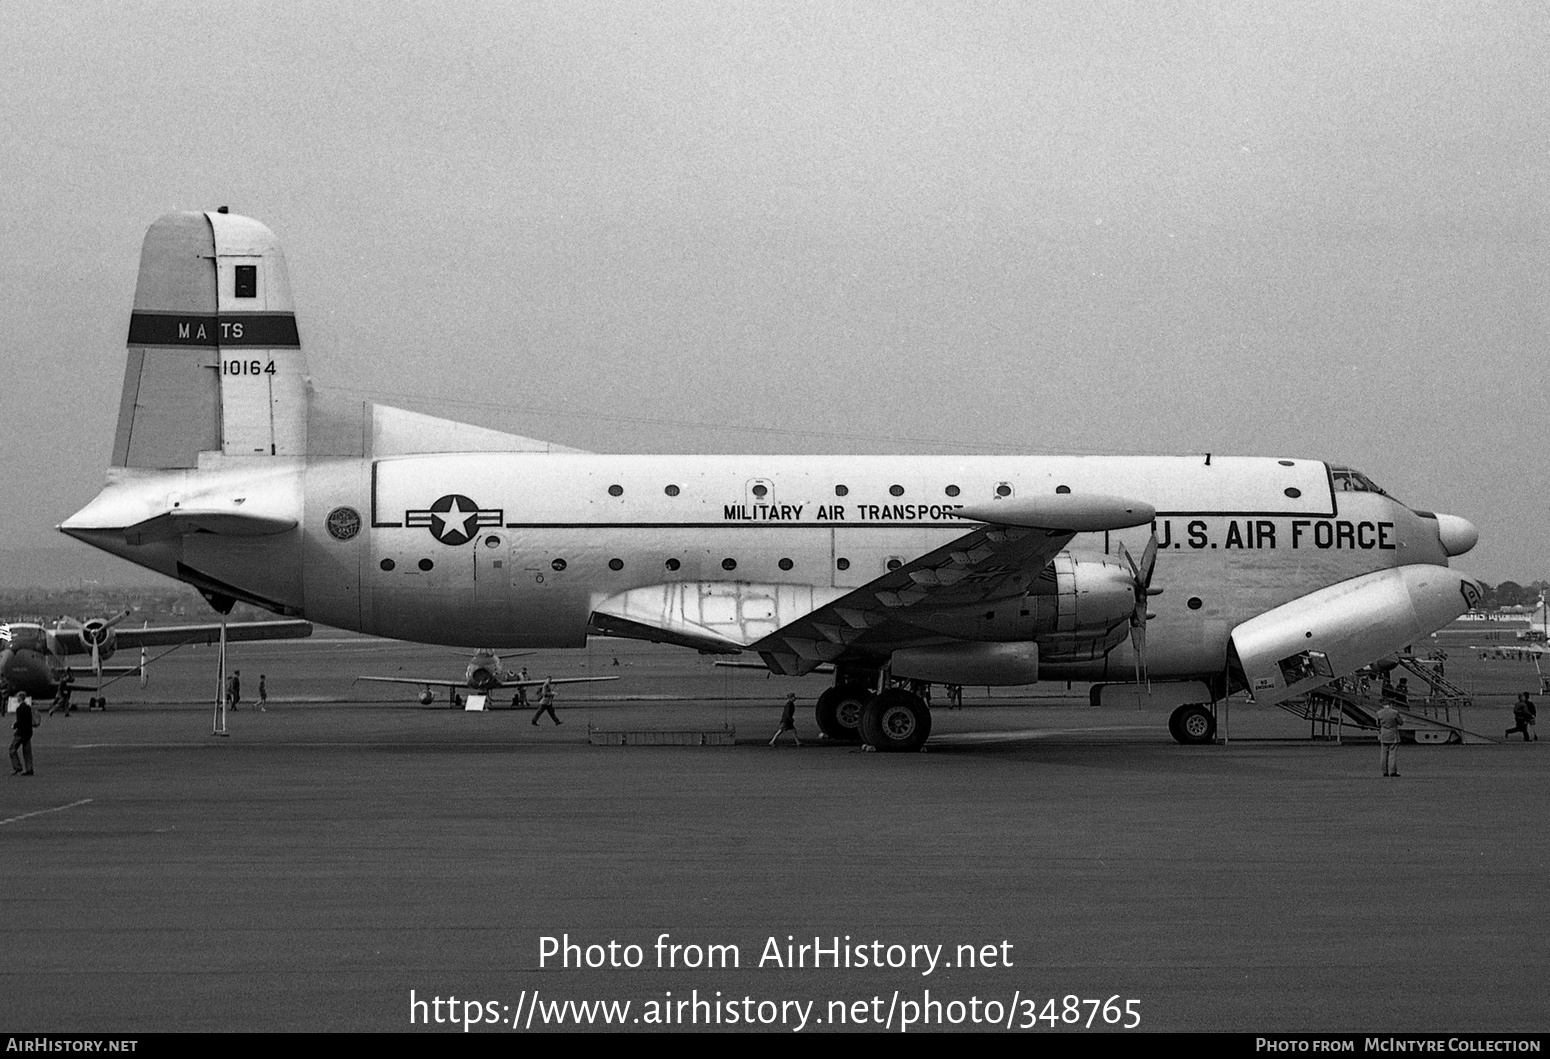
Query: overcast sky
point(1313, 229)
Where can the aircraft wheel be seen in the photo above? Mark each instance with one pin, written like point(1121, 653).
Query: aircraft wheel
point(1192, 724)
point(896, 720)
point(838, 713)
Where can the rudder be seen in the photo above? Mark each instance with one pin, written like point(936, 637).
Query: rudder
point(215, 361)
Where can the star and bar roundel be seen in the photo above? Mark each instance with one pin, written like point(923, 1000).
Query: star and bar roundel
point(454, 519)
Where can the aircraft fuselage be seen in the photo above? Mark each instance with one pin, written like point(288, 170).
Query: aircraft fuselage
point(507, 550)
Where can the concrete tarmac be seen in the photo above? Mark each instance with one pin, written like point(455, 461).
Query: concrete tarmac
point(327, 862)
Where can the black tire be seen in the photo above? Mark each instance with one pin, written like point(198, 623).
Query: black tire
point(1193, 724)
point(838, 712)
point(896, 721)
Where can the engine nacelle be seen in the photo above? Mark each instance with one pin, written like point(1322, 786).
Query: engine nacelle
point(1077, 609)
point(99, 634)
point(1335, 631)
point(983, 664)
point(1090, 597)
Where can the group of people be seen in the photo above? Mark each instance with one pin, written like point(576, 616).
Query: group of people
point(234, 691)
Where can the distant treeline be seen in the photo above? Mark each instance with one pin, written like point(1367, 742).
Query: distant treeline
point(160, 604)
point(1512, 594)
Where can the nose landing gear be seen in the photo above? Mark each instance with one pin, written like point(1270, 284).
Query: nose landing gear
point(1192, 724)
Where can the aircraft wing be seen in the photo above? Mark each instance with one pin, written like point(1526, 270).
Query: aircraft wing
point(459, 682)
point(437, 682)
point(996, 562)
point(71, 641)
point(553, 680)
point(107, 671)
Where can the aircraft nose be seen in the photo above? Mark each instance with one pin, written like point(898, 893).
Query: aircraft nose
point(1458, 535)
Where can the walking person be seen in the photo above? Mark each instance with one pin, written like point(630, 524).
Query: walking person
point(1388, 739)
point(26, 720)
point(1523, 716)
point(234, 690)
point(61, 700)
point(546, 702)
point(788, 721)
point(263, 695)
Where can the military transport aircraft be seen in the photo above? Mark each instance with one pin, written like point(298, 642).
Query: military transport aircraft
point(483, 675)
point(229, 472)
point(36, 659)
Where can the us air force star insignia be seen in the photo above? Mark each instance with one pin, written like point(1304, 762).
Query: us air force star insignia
point(454, 519)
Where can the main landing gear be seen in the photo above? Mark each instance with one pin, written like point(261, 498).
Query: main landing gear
point(1193, 724)
point(893, 719)
point(838, 712)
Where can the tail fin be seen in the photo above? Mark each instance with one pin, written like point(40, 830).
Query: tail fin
point(215, 362)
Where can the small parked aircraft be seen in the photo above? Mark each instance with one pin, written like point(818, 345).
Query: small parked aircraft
point(484, 675)
point(36, 659)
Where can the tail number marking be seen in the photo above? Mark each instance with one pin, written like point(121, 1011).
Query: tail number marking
point(247, 367)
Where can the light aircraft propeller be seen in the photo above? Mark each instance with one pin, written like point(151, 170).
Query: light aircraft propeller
point(97, 633)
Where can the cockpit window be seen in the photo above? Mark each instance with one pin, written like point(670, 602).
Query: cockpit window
point(1350, 480)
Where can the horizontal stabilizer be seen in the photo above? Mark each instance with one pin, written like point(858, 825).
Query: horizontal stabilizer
point(175, 524)
point(1069, 512)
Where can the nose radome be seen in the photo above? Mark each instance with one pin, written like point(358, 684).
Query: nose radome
point(1458, 535)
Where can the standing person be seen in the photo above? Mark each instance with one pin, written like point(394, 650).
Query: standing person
point(26, 720)
point(236, 688)
point(788, 720)
point(1388, 738)
point(263, 695)
point(546, 702)
point(1523, 715)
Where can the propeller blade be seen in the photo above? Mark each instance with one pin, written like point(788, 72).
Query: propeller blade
point(1141, 577)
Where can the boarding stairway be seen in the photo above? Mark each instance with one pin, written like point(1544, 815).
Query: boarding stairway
point(1432, 710)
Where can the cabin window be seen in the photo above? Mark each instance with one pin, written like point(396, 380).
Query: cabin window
point(894, 562)
point(785, 564)
point(671, 490)
point(387, 564)
point(1062, 490)
point(673, 565)
point(951, 490)
point(841, 490)
point(842, 563)
point(1193, 603)
point(427, 565)
point(557, 565)
point(616, 490)
point(1003, 490)
point(896, 490)
point(729, 564)
point(761, 490)
point(616, 565)
point(1293, 492)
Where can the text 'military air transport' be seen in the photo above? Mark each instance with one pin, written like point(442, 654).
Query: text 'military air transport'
point(1200, 574)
